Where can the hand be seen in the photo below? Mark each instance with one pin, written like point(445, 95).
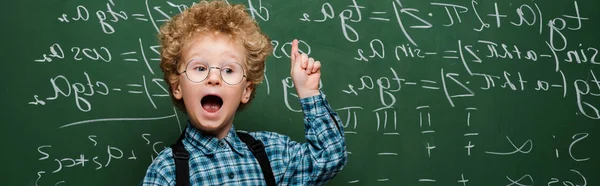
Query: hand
point(305, 73)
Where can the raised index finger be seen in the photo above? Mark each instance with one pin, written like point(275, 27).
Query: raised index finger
point(294, 50)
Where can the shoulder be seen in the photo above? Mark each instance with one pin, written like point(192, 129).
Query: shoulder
point(162, 166)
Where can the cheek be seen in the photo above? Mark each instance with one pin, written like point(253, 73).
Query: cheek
point(190, 101)
point(190, 92)
point(235, 94)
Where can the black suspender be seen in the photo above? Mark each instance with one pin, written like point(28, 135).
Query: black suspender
point(258, 150)
point(182, 168)
point(181, 157)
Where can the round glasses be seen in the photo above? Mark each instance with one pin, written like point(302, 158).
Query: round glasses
point(231, 73)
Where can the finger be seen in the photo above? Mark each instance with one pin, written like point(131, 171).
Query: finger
point(304, 61)
point(294, 50)
point(311, 64)
point(316, 67)
point(297, 64)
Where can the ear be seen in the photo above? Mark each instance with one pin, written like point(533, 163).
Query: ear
point(176, 87)
point(247, 92)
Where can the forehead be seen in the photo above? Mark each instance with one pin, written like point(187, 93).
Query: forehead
point(213, 48)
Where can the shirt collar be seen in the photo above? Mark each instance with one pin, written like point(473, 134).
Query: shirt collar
point(209, 145)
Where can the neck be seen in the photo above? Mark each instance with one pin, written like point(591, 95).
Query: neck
point(219, 133)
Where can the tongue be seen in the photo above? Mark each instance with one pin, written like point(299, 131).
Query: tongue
point(211, 106)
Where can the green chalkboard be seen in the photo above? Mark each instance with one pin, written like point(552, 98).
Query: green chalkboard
point(452, 92)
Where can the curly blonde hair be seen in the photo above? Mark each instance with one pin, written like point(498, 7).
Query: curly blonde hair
point(213, 17)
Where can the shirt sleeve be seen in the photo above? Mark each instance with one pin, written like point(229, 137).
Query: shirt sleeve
point(324, 154)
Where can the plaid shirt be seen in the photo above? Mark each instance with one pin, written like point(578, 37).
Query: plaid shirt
point(229, 161)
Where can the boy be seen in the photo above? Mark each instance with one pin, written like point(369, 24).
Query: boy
point(212, 57)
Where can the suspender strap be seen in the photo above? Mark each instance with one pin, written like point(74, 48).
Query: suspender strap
point(258, 150)
point(181, 157)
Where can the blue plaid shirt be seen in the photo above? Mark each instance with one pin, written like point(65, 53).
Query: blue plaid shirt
point(229, 161)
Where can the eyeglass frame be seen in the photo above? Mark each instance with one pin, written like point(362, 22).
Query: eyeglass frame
point(209, 70)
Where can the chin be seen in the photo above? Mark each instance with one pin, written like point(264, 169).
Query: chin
point(211, 126)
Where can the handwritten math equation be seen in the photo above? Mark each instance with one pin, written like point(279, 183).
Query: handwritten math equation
point(90, 161)
point(388, 125)
point(518, 15)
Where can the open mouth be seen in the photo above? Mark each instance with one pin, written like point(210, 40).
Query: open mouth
point(211, 103)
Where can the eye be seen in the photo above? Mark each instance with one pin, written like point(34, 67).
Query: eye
point(228, 70)
point(200, 68)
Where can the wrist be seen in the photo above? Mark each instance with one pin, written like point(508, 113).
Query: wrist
point(308, 93)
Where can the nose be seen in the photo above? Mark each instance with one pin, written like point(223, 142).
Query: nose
point(214, 77)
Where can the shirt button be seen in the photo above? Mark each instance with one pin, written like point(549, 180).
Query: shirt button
point(231, 175)
point(222, 144)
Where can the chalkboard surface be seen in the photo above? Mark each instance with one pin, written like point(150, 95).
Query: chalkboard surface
point(452, 92)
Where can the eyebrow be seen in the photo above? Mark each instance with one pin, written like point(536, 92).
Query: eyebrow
point(197, 59)
point(220, 64)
